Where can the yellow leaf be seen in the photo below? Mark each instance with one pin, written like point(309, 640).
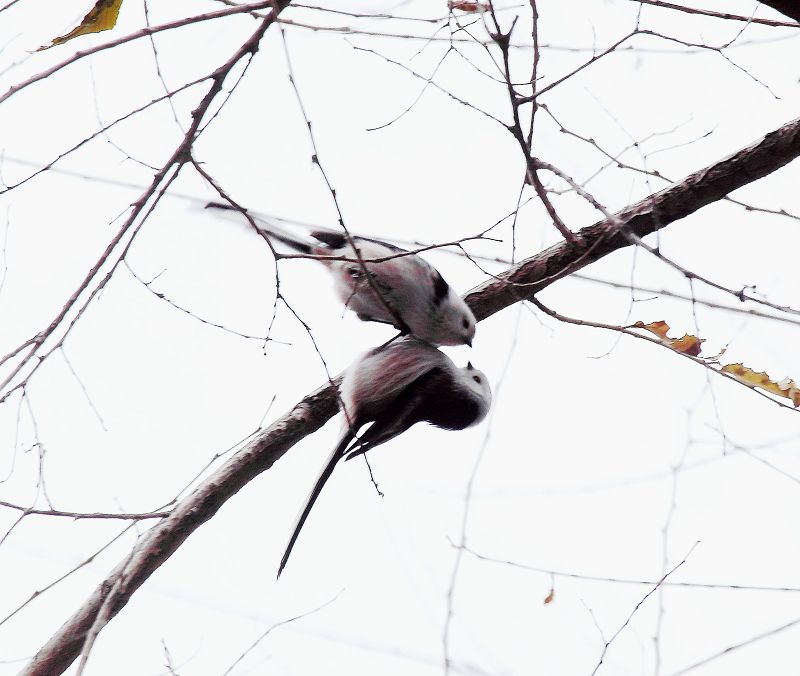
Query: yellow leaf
point(785, 388)
point(101, 17)
point(687, 344)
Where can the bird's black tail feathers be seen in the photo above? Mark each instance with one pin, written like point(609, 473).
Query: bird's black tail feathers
point(335, 240)
point(271, 231)
point(334, 458)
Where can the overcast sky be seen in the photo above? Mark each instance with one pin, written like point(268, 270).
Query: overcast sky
point(603, 457)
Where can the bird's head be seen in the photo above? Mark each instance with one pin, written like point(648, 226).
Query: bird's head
point(458, 322)
point(478, 384)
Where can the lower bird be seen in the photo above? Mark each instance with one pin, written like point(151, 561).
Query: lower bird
point(394, 387)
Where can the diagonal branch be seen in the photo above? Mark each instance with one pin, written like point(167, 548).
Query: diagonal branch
point(679, 200)
point(159, 543)
point(761, 158)
point(163, 177)
point(144, 32)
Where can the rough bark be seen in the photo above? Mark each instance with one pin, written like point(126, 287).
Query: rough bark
point(162, 540)
point(708, 185)
point(523, 280)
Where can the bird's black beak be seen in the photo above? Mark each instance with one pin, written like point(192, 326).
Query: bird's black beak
point(468, 342)
point(469, 365)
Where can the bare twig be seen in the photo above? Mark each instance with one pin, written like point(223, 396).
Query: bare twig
point(137, 35)
point(736, 646)
point(523, 280)
point(624, 580)
point(272, 628)
point(708, 364)
point(636, 607)
point(701, 188)
point(448, 661)
point(157, 187)
point(84, 515)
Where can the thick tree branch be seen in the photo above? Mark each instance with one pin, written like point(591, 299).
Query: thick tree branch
point(521, 281)
point(162, 541)
point(679, 200)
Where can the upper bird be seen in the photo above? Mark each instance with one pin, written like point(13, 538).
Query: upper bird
point(394, 387)
point(405, 290)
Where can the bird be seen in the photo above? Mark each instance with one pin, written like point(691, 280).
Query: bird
point(395, 386)
point(404, 290)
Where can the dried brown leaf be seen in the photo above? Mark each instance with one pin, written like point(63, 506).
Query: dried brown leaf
point(549, 598)
point(687, 344)
point(469, 7)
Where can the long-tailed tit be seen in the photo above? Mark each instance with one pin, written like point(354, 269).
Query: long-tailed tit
point(411, 294)
point(394, 387)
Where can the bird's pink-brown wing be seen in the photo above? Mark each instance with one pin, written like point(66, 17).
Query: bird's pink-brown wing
point(378, 376)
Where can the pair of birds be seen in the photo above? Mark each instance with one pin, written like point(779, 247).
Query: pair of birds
point(407, 380)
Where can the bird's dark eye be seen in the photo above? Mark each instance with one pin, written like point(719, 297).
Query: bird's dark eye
point(354, 272)
point(465, 323)
point(477, 379)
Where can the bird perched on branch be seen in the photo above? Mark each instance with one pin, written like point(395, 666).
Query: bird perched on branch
point(404, 290)
point(394, 387)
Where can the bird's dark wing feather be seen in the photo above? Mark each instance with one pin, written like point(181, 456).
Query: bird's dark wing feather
point(335, 240)
point(408, 408)
point(368, 318)
point(440, 288)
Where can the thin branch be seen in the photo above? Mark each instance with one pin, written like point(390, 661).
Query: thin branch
point(159, 543)
point(270, 629)
point(465, 516)
point(191, 314)
point(39, 592)
point(624, 580)
point(593, 242)
point(165, 176)
point(636, 607)
point(102, 131)
point(595, 57)
point(730, 649)
point(707, 363)
point(645, 217)
point(144, 32)
point(103, 616)
point(84, 515)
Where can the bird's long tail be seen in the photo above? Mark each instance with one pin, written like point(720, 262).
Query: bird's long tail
point(271, 230)
point(324, 475)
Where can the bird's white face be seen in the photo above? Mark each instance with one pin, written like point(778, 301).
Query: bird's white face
point(477, 383)
point(458, 321)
